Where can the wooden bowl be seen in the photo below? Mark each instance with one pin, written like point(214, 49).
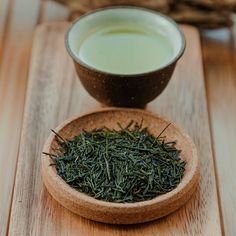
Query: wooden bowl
point(121, 213)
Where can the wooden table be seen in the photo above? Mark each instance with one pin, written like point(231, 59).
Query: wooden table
point(18, 19)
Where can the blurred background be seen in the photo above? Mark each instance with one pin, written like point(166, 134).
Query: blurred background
point(213, 18)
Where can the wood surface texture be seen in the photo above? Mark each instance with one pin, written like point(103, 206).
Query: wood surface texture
point(54, 94)
point(16, 28)
point(18, 18)
point(219, 49)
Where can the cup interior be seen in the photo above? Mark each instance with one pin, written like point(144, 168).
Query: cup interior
point(91, 22)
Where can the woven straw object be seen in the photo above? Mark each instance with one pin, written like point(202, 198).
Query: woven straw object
point(202, 13)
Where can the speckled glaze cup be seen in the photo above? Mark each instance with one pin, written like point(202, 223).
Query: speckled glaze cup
point(124, 90)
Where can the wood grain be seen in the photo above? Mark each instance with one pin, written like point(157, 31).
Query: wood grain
point(219, 49)
point(17, 21)
point(55, 94)
point(53, 11)
point(4, 14)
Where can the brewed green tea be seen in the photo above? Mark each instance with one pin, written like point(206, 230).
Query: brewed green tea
point(125, 49)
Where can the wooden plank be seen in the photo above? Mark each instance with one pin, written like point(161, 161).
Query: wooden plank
point(55, 94)
point(219, 56)
point(53, 11)
point(4, 13)
point(15, 48)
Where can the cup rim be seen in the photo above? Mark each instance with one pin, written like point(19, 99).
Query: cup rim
point(87, 66)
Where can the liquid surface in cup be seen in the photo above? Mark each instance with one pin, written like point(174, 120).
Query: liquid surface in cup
point(125, 49)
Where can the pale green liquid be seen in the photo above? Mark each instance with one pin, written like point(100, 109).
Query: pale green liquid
point(125, 49)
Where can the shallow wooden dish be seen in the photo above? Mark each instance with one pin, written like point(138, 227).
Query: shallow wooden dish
point(121, 213)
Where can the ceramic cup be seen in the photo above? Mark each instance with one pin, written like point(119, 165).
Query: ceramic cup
point(124, 90)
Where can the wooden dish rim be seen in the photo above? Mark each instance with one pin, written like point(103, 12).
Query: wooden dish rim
point(190, 177)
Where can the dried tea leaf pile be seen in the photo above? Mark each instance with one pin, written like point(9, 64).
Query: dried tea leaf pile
point(128, 165)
